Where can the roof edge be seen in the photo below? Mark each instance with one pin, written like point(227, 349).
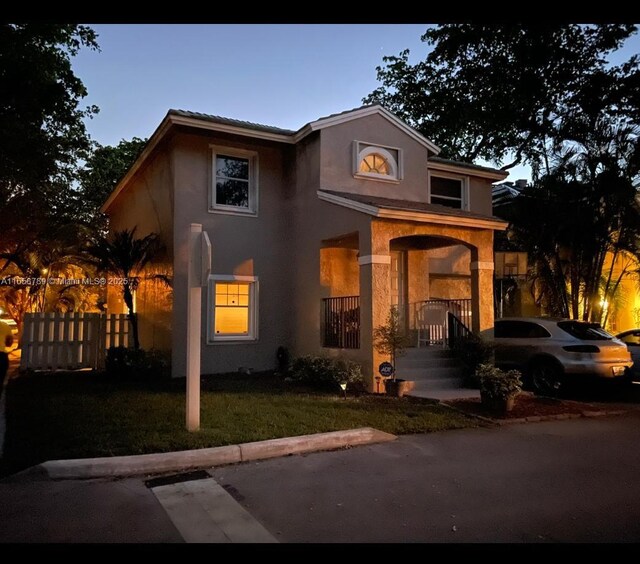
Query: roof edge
point(438, 163)
point(382, 212)
point(258, 131)
point(363, 112)
point(152, 143)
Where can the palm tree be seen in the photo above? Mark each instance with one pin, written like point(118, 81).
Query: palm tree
point(124, 256)
point(581, 220)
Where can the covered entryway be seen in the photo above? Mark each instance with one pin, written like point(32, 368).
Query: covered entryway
point(435, 265)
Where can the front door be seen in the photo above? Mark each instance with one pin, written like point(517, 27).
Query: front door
point(399, 284)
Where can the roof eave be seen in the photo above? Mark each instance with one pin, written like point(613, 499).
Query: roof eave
point(482, 173)
point(363, 112)
point(416, 216)
point(153, 142)
point(172, 119)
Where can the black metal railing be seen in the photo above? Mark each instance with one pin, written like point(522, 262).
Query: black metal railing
point(341, 322)
point(429, 319)
point(455, 330)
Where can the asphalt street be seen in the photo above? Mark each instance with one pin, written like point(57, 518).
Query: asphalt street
point(562, 481)
point(566, 481)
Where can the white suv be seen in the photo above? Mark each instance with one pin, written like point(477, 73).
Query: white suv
point(548, 350)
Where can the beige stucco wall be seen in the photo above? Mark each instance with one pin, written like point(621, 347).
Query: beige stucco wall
point(339, 271)
point(450, 272)
point(147, 204)
point(336, 159)
point(625, 312)
point(479, 243)
point(418, 268)
point(450, 287)
point(454, 259)
point(480, 200)
point(314, 221)
point(336, 164)
point(241, 245)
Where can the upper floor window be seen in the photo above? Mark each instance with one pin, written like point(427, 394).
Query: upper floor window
point(234, 186)
point(448, 191)
point(377, 163)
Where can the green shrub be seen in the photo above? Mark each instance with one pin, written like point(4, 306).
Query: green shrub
point(472, 351)
point(131, 364)
point(498, 384)
point(327, 373)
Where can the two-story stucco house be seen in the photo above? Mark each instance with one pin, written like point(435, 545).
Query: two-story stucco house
point(315, 234)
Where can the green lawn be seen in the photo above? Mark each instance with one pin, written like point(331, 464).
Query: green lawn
point(77, 415)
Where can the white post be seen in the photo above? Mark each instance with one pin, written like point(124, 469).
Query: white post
point(194, 327)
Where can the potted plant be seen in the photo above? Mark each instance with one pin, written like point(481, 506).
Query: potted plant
point(391, 339)
point(498, 388)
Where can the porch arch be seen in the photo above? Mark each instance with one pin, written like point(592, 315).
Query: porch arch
point(387, 235)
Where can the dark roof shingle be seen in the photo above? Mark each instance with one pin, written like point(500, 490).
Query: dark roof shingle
point(405, 205)
point(233, 122)
point(466, 165)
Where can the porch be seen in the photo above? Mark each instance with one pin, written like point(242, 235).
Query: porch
point(438, 277)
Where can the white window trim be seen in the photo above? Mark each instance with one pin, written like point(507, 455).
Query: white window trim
point(370, 148)
point(252, 156)
point(212, 338)
point(464, 192)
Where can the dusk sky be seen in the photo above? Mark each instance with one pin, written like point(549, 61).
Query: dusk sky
point(282, 75)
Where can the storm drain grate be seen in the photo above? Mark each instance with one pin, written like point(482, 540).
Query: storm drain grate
point(177, 478)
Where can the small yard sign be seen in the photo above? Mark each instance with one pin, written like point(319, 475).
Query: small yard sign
point(386, 369)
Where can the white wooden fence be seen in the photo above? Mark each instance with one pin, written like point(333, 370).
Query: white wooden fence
point(69, 341)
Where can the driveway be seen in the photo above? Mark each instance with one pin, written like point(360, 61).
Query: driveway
point(567, 481)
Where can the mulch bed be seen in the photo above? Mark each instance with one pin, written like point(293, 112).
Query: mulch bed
point(527, 405)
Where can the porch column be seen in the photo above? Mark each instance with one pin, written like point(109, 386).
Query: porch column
point(481, 295)
point(375, 302)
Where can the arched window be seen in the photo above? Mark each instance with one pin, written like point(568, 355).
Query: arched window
point(377, 162)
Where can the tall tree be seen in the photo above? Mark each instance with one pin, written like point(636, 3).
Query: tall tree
point(580, 223)
point(488, 91)
point(42, 139)
point(549, 96)
point(42, 132)
point(104, 168)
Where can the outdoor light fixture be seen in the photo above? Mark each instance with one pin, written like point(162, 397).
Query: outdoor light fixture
point(343, 385)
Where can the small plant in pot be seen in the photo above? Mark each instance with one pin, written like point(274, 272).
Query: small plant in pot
point(498, 388)
point(391, 339)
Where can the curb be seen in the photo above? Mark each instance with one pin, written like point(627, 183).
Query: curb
point(535, 418)
point(558, 417)
point(117, 466)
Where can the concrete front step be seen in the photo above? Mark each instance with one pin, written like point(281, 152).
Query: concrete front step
point(438, 383)
point(428, 362)
point(446, 394)
point(431, 368)
point(428, 373)
point(426, 352)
